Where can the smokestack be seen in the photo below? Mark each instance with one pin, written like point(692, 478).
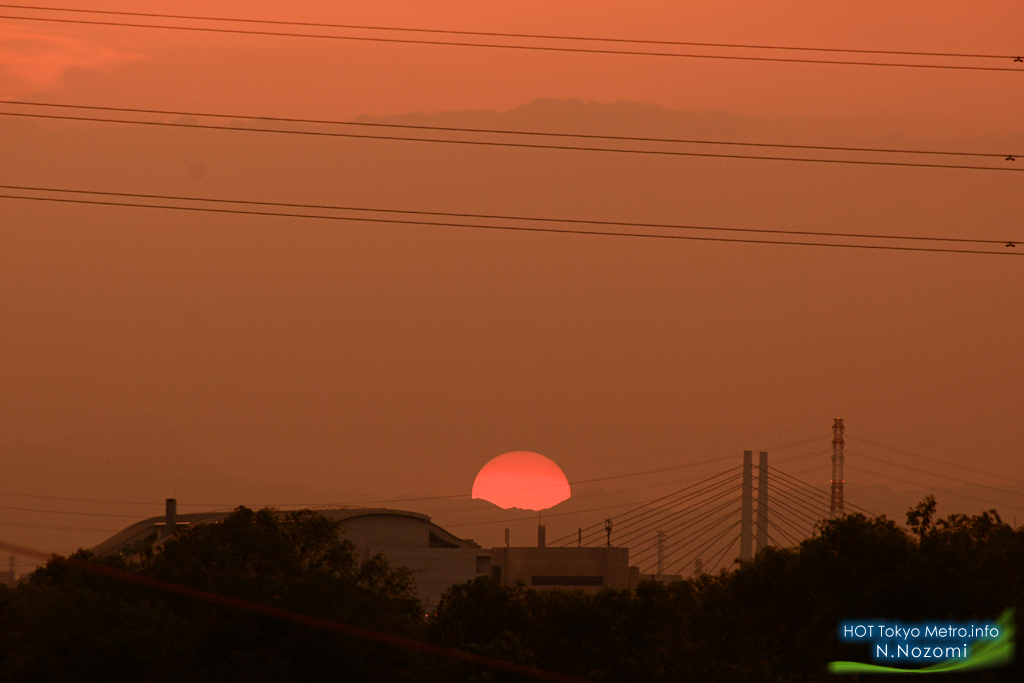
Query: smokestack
point(171, 513)
point(541, 535)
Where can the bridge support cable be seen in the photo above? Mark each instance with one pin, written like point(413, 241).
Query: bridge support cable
point(810, 488)
point(800, 508)
point(670, 516)
point(596, 531)
point(683, 560)
point(691, 538)
point(797, 525)
point(627, 520)
point(680, 528)
point(719, 554)
point(778, 528)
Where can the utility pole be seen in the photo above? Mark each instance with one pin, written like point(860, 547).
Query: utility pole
point(661, 552)
point(837, 468)
point(746, 513)
point(608, 530)
point(762, 500)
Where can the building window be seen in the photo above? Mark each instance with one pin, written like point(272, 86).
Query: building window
point(567, 581)
point(496, 572)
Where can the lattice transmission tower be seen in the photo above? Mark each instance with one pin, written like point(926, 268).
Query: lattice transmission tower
point(837, 467)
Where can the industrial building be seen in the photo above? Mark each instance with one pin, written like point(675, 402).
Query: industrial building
point(436, 557)
point(542, 567)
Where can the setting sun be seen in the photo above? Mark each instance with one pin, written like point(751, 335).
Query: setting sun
point(521, 479)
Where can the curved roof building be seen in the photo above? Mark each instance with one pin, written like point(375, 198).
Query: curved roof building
point(436, 557)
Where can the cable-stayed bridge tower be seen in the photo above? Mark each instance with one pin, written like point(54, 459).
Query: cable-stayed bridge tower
point(837, 467)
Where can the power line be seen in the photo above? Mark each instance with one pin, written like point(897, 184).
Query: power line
point(924, 457)
point(60, 528)
point(513, 35)
point(506, 217)
point(507, 46)
point(83, 500)
point(858, 468)
point(606, 233)
point(936, 474)
point(522, 145)
point(65, 512)
point(805, 456)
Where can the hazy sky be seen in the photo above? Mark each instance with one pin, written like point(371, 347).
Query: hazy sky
point(222, 358)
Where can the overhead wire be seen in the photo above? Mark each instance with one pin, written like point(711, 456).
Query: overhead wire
point(501, 131)
point(804, 456)
point(66, 512)
point(858, 468)
point(58, 527)
point(505, 34)
point(512, 228)
point(936, 474)
point(539, 146)
point(79, 500)
point(492, 45)
point(926, 457)
point(508, 217)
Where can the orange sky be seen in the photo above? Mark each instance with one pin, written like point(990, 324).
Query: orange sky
point(147, 354)
point(335, 78)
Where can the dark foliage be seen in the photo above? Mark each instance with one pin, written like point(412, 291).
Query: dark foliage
point(69, 624)
point(772, 619)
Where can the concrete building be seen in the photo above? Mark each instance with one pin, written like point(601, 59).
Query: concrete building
point(586, 569)
point(436, 557)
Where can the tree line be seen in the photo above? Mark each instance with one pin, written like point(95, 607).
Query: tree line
point(774, 618)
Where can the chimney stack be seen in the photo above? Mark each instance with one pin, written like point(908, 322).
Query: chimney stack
point(541, 535)
point(171, 521)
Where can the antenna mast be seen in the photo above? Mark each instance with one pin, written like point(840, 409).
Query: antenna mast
point(837, 467)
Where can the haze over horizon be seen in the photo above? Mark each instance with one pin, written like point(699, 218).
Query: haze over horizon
point(230, 359)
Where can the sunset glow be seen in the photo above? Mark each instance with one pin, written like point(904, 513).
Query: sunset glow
point(521, 479)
